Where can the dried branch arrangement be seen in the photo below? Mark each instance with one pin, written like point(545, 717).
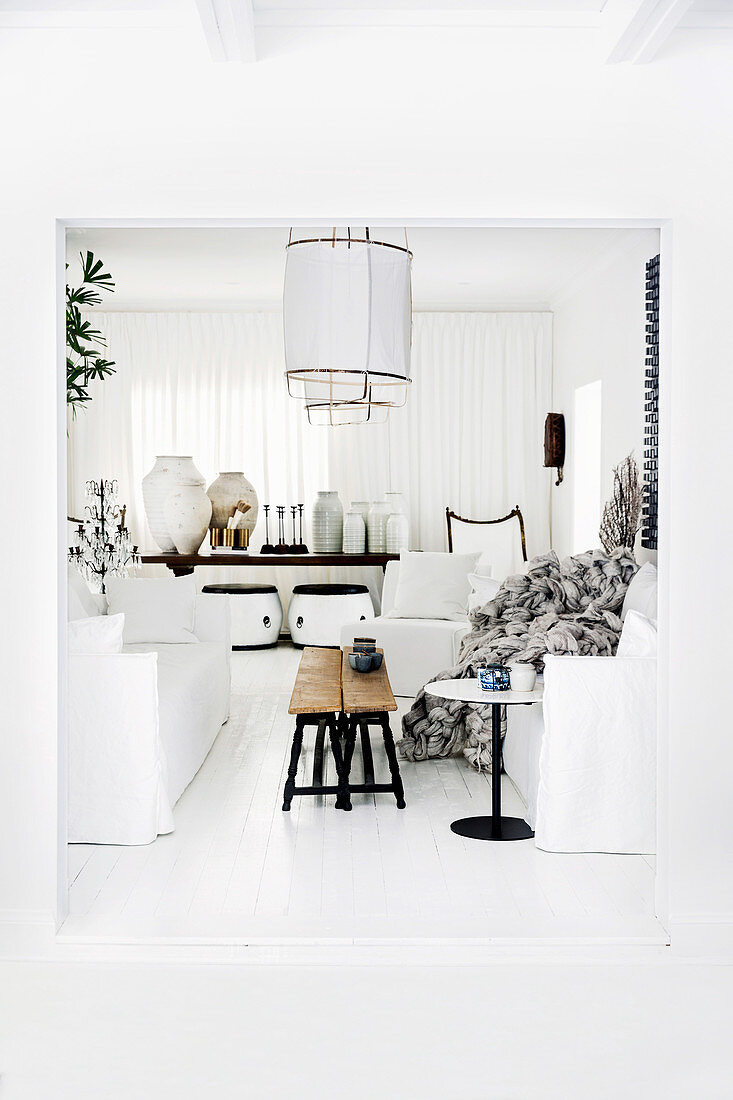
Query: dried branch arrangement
point(622, 513)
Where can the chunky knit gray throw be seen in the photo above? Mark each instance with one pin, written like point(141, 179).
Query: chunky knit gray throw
point(570, 606)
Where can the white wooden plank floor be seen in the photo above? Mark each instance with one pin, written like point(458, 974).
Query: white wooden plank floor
point(239, 868)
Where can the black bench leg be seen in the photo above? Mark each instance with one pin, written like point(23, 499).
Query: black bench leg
point(394, 768)
point(294, 758)
point(349, 727)
point(343, 801)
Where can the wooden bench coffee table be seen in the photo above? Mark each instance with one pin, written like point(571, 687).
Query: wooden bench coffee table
point(328, 694)
point(316, 700)
point(368, 700)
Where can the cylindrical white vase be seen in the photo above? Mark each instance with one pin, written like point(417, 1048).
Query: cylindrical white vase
point(158, 484)
point(187, 512)
point(377, 527)
point(230, 487)
point(327, 523)
point(398, 525)
point(395, 501)
point(398, 533)
point(354, 533)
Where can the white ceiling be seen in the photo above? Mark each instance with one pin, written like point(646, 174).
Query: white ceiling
point(453, 268)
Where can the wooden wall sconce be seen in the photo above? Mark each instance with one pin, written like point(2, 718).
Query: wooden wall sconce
point(555, 443)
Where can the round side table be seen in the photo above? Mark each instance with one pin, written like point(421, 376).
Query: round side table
point(494, 827)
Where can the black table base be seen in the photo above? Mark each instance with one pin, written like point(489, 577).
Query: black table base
point(495, 827)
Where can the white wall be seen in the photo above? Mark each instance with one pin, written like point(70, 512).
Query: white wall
point(474, 124)
point(599, 336)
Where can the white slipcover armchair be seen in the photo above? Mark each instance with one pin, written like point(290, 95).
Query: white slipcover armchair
point(415, 650)
point(140, 725)
point(584, 760)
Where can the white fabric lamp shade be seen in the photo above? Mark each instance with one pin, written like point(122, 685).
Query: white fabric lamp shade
point(347, 318)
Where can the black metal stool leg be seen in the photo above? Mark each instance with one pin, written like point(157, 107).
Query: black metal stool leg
point(394, 768)
point(294, 757)
point(343, 801)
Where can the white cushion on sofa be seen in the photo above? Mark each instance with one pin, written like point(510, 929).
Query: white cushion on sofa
point(483, 590)
point(433, 586)
point(81, 603)
point(96, 634)
point(415, 650)
point(155, 610)
point(641, 595)
point(638, 637)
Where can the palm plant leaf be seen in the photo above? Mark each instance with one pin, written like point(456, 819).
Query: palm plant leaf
point(84, 362)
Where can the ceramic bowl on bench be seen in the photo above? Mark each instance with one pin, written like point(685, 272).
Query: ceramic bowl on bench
point(365, 662)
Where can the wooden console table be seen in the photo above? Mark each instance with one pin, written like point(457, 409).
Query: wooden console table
point(182, 564)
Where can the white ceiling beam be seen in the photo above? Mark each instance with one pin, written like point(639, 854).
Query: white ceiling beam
point(644, 28)
point(229, 29)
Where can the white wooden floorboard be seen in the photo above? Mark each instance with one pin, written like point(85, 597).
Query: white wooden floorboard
point(239, 869)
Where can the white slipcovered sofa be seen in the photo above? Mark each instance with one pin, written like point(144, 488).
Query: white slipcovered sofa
point(140, 724)
point(583, 760)
point(415, 650)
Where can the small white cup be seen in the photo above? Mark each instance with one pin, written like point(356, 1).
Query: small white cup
point(521, 676)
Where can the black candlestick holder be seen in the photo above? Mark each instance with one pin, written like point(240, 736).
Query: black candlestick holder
point(293, 548)
point(281, 547)
point(300, 547)
point(268, 548)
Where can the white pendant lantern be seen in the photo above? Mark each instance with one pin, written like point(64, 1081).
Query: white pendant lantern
point(347, 312)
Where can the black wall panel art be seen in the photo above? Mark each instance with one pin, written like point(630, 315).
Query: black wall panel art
point(651, 408)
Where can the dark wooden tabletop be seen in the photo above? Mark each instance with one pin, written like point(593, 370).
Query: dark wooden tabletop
point(185, 563)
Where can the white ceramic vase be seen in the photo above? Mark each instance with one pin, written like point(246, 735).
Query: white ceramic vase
point(230, 487)
point(398, 533)
point(327, 523)
point(398, 526)
point(354, 533)
point(158, 484)
point(377, 527)
point(187, 512)
point(523, 677)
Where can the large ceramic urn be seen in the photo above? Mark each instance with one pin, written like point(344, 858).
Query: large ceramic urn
point(230, 487)
point(168, 471)
point(187, 512)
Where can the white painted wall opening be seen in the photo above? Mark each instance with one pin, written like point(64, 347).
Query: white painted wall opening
point(586, 464)
point(587, 441)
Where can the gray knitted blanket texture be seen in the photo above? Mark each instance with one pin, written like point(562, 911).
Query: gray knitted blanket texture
point(569, 606)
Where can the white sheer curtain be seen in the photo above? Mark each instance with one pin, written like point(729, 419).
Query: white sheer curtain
point(211, 385)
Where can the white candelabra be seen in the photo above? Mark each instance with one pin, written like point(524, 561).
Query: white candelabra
point(103, 545)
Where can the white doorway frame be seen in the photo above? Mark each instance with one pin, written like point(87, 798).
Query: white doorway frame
point(665, 228)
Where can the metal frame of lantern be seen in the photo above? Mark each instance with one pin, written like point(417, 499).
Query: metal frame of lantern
point(324, 406)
